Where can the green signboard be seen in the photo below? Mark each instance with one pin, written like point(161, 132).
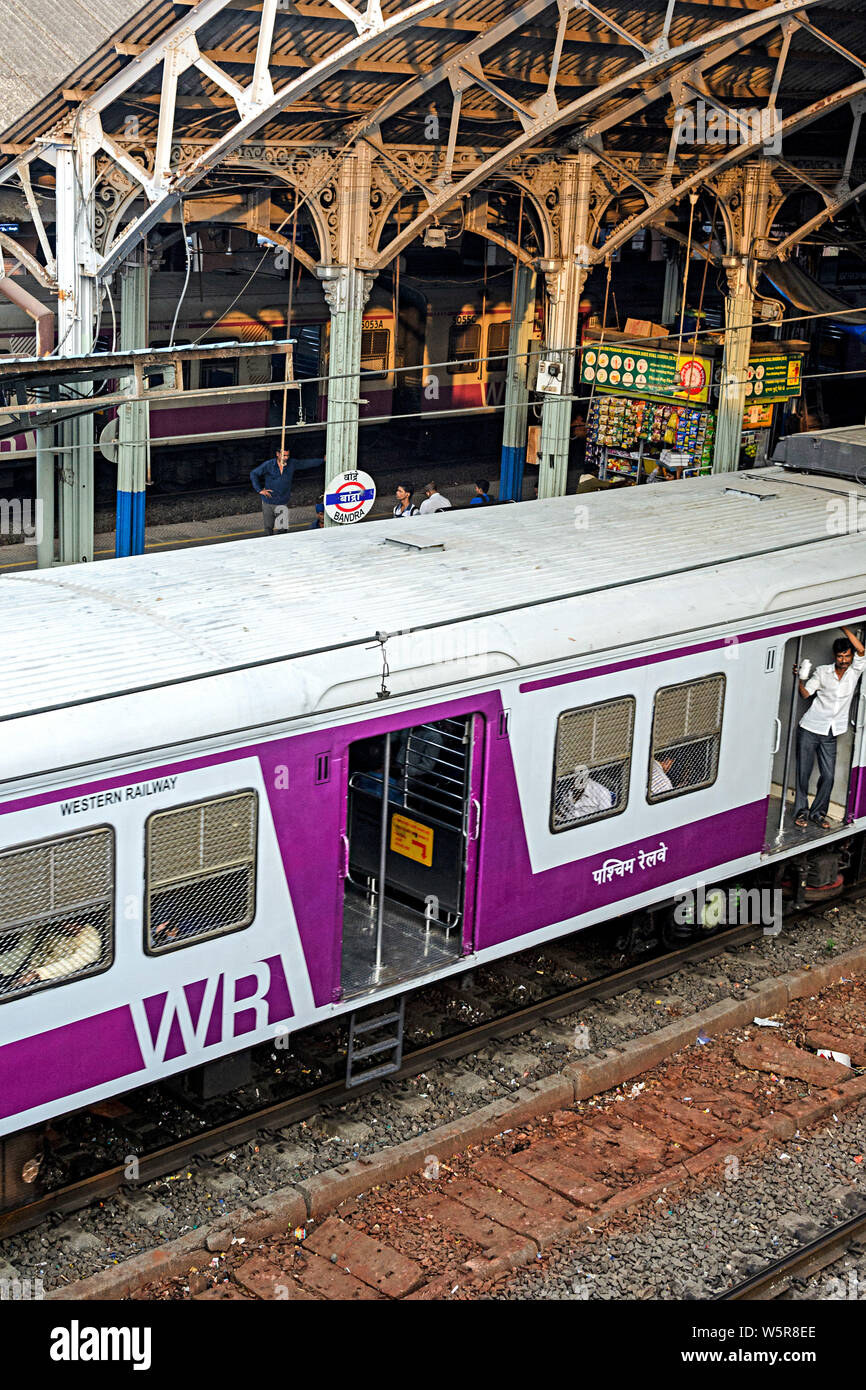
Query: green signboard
point(632, 370)
point(774, 378)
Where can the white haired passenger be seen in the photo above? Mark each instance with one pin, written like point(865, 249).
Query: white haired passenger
point(580, 796)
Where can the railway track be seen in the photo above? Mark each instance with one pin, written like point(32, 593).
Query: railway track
point(243, 1128)
point(773, 1281)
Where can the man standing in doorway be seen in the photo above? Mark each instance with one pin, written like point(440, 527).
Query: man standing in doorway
point(273, 481)
point(826, 718)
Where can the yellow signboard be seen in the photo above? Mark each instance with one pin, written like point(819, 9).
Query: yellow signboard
point(412, 839)
point(758, 417)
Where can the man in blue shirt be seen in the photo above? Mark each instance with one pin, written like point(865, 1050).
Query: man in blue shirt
point(273, 481)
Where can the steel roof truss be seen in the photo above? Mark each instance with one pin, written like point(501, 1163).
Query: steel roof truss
point(715, 45)
point(839, 48)
point(733, 156)
point(50, 262)
point(842, 199)
point(857, 108)
point(516, 20)
point(617, 28)
point(175, 183)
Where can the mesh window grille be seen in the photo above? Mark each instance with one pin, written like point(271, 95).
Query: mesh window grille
point(201, 870)
point(498, 335)
point(592, 763)
point(375, 346)
point(687, 735)
point(56, 911)
point(463, 347)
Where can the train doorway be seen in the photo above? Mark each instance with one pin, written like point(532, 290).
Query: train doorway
point(410, 870)
point(782, 833)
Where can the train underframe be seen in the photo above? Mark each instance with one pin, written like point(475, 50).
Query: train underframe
point(784, 888)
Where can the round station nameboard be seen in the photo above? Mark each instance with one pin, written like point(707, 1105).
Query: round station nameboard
point(349, 497)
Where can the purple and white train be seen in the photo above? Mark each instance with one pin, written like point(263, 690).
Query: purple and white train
point(584, 705)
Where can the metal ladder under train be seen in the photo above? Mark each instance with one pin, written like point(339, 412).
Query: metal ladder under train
point(386, 1030)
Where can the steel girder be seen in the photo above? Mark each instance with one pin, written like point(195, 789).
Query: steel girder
point(714, 46)
point(256, 104)
point(735, 155)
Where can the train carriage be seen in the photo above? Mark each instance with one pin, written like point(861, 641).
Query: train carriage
point(448, 352)
point(250, 787)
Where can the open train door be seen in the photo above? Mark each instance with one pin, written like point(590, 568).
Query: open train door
point(411, 857)
point(781, 831)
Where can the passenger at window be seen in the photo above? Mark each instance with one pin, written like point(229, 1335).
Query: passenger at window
point(433, 500)
point(661, 779)
point(405, 505)
point(832, 687)
point(69, 950)
point(15, 951)
point(582, 796)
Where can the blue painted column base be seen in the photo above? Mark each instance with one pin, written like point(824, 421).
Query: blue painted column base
point(129, 524)
point(511, 473)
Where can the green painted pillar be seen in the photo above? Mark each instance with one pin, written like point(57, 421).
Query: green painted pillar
point(739, 305)
point(564, 283)
point(76, 330)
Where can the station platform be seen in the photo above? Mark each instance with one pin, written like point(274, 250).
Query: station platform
point(235, 526)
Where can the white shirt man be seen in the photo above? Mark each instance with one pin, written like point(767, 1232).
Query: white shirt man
point(581, 796)
point(828, 713)
point(660, 782)
point(433, 501)
point(831, 690)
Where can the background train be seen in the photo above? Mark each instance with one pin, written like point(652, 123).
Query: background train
point(195, 798)
point(447, 323)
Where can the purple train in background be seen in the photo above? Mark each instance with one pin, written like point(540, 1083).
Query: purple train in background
point(248, 787)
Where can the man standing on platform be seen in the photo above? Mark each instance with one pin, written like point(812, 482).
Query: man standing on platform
point(273, 481)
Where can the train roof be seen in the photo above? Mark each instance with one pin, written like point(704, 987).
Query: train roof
point(291, 621)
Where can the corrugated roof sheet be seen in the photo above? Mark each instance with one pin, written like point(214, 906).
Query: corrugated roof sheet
point(45, 40)
point(74, 47)
point(124, 624)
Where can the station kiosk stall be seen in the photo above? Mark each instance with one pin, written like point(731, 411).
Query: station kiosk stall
point(651, 404)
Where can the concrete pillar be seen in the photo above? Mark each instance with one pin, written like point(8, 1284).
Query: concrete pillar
point(133, 421)
point(735, 363)
point(347, 288)
point(76, 329)
point(514, 424)
point(564, 284)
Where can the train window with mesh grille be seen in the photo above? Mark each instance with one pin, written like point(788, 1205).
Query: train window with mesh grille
point(464, 347)
point(592, 763)
point(686, 737)
point(375, 348)
point(200, 870)
point(56, 911)
point(498, 335)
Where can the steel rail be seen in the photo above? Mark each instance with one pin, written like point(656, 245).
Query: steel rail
point(808, 1259)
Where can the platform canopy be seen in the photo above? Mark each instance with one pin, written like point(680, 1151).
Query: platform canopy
point(448, 96)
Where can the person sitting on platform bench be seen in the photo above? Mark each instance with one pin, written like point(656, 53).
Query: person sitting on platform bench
point(482, 496)
point(433, 500)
